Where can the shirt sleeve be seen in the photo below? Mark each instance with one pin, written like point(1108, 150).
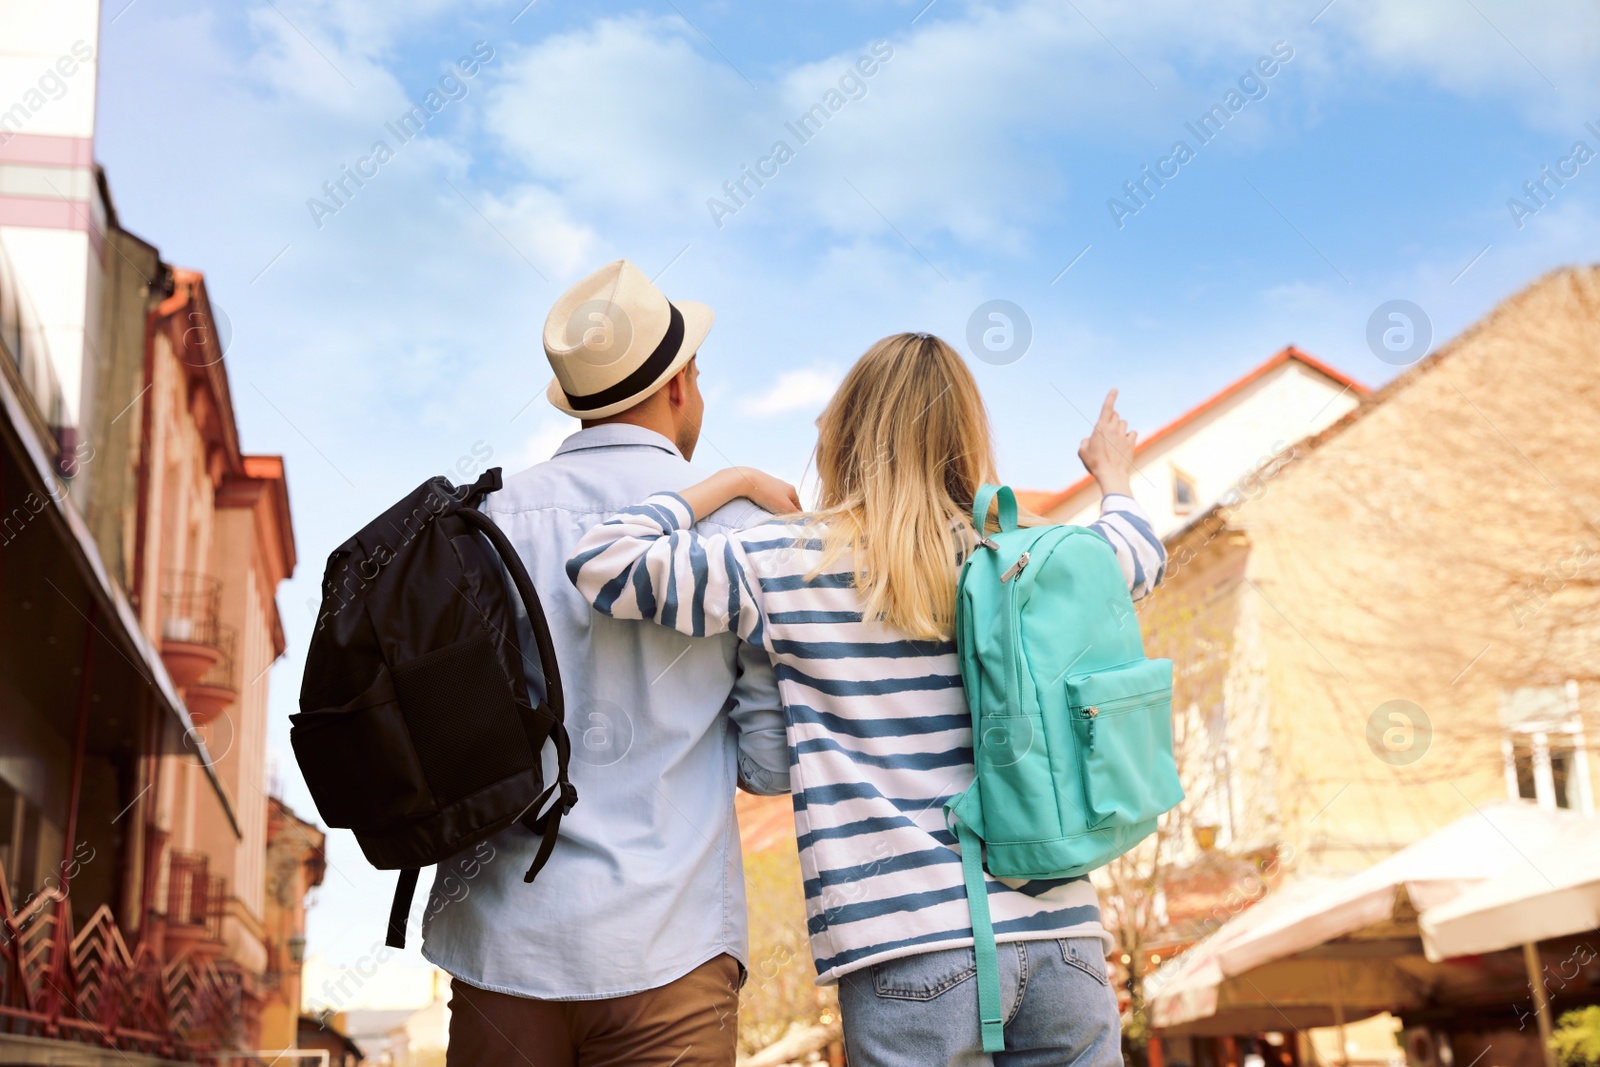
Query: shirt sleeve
point(1126, 527)
point(648, 562)
point(756, 711)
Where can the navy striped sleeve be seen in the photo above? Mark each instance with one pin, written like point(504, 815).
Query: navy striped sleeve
point(1140, 553)
point(648, 562)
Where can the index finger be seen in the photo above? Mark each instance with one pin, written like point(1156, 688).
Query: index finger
point(1109, 408)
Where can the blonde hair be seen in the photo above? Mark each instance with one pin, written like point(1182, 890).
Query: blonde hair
point(901, 451)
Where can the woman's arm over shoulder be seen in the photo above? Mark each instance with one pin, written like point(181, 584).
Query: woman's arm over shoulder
point(648, 562)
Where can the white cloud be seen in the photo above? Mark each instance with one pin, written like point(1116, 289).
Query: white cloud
point(550, 430)
point(623, 115)
point(537, 223)
point(1540, 56)
point(795, 390)
point(955, 135)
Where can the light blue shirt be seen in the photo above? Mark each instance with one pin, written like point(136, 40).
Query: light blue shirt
point(646, 881)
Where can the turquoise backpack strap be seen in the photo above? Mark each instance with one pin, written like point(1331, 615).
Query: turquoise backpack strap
point(985, 497)
point(984, 950)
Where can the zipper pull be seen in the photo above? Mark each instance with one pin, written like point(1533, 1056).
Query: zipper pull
point(1089, 713)
point(1016, 568)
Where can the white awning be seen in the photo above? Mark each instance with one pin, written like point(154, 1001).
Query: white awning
point(1286, 932)
point(1438, 868)
point(1553, 891)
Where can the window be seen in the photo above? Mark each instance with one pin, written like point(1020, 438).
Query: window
point(25, 840)
point(1522, 757)
point(1183, 494)
point(1561, 781)
point(1546, 753)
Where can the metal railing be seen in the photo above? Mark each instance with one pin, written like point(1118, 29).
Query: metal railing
point(223, 674)
point(196, 898)
point(190, 604)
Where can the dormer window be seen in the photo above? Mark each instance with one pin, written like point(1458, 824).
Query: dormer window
point(1183, 494)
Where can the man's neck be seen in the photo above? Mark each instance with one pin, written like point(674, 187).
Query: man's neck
point(649, 417)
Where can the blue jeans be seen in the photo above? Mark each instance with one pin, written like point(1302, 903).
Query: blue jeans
point(918, 1011)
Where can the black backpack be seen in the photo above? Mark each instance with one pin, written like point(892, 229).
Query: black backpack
point(416, 727)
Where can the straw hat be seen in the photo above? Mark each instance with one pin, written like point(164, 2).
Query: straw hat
point(614, 338)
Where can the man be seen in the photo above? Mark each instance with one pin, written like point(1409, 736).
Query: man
point(630, 946)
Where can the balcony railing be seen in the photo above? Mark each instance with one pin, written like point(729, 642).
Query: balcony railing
point(196, 898)
point(224, 673)
point(190, 604)
point(133, 996)
point(191, 636)
point(218, 688)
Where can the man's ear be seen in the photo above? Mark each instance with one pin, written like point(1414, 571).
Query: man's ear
point(678, 385)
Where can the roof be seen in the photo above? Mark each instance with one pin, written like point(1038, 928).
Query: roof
point(1042, 501)
point(309, 1025)
point(1372, 399)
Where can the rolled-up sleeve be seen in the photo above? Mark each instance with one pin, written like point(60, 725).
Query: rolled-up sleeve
point(756, 711)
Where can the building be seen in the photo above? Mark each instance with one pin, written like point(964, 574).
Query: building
point(296, 863)
point(1398, 613)
point(315, 1035)
point(140, 551)
point(1390, 626)
point(405, 1037)
point(50, 213)
point(1188, 464)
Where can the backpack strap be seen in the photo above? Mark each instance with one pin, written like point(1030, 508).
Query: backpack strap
point(488, 482)
point(536, 819)
point(400, 910)
point(547, 822)
point(985, 498)
point(984, 950)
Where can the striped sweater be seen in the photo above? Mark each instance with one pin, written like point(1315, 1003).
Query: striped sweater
point(879, 732)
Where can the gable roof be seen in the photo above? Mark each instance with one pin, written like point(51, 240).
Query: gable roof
point(1041, 501)
point(1511, 306)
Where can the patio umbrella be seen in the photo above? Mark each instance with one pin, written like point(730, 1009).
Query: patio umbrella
point(1187, 987)
point(1553, 892)
point(1350, 949)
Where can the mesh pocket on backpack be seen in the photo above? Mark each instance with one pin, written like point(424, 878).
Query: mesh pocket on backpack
point(463, 718)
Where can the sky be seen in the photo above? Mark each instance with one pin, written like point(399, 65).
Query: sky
point(381, 334)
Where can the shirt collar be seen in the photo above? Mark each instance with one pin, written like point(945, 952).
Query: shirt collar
point(614, 434)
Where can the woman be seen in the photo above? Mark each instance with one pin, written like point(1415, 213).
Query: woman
point(855, 602)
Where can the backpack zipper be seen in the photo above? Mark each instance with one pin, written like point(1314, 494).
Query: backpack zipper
point(1091, 712)
point(1114, 705)
point(1016, 568)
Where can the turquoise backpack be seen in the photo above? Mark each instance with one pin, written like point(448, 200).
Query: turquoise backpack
point(1071, 724)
